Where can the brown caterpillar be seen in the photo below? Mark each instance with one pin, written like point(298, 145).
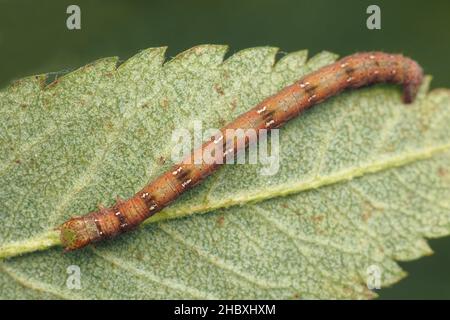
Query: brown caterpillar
point(354, 71)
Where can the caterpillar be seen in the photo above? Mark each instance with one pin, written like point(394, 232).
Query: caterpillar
point(354, 71)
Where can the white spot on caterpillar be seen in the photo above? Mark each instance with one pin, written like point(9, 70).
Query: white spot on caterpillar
point(312, 98)
point(343, 65)
point(304, 85)
point(177, 171)
point(270, 123)
point(144, 195)
point(261, 110)
point(349, 79)
point(184, 184)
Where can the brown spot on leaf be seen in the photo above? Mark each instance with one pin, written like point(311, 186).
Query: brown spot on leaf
point(442, 172)
point(220, 221)
point(164, 103)
point(366, 215)
point(389, 147)
point(233, 104)
point(219, 89)
point(317, 218)
point(161, 160)
point(226, 74)
point(139, 256)
point(109, 125)
point(141, 131)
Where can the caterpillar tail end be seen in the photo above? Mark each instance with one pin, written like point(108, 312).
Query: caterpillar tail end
point(74, 234)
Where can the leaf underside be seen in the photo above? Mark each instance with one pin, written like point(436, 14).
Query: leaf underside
point(363, 180)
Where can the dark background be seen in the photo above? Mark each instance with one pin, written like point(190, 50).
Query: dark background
point(34, 39)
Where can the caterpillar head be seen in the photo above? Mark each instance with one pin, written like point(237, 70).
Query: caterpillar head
point(77, 233)
point(412, 82)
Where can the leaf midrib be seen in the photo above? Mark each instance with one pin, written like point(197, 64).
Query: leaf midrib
point(50, 238)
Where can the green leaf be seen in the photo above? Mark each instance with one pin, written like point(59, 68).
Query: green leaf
point(363, 180)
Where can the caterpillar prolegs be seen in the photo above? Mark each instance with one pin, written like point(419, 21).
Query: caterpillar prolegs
point(353, 71)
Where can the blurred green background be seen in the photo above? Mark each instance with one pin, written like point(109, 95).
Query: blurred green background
point(34, 39)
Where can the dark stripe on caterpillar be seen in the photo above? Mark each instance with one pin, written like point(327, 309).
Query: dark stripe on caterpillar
point(181, 173)
point(121, 219)
point(150, 203)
